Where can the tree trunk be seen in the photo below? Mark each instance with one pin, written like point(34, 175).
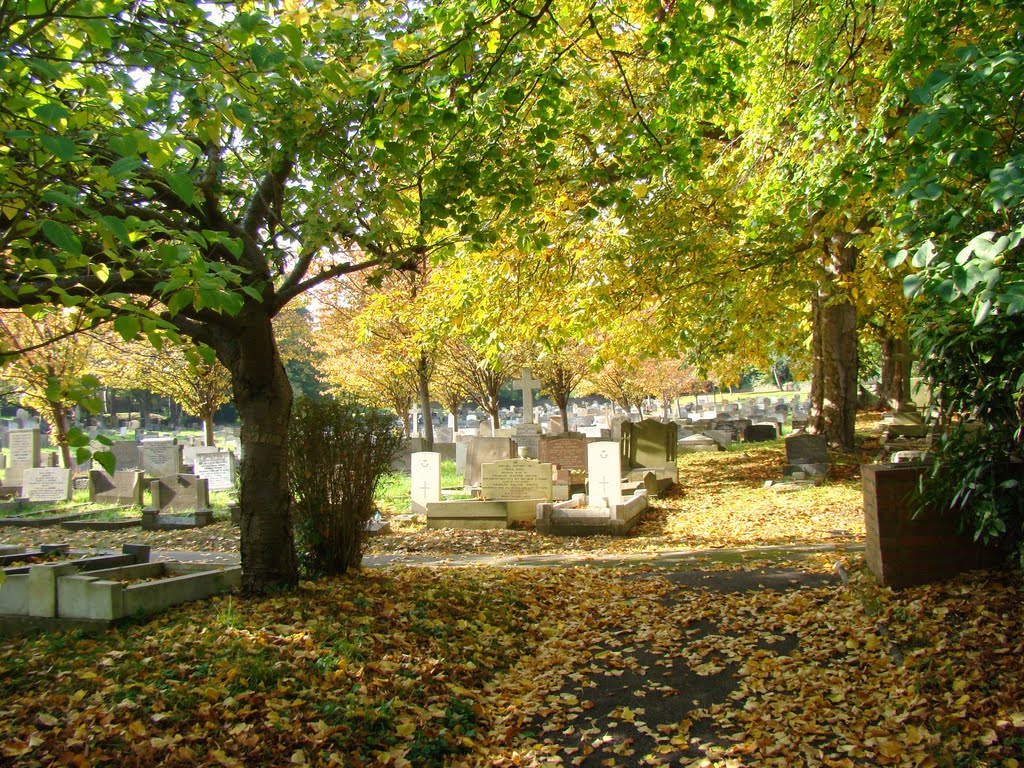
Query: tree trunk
point(839, 345)
point(263, 397)
point(423, 379)
point(60, 429)
point(815, 419)
point(208, 428)
point(894, 377)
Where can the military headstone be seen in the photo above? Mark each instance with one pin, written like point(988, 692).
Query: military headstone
point(604, 474)
point(426, 480)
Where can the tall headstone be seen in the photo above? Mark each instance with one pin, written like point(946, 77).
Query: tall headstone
point(604, 474)
point(484, 450)
point(126, 455)
point(24, 452)
point(425, 467)
point(649, 443)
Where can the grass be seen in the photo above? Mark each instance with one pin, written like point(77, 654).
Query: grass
point(394, 492)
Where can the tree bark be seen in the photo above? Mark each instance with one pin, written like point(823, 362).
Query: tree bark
point(839, 344)
point(894, 380)
point(60, 428)
point(423, 380)
point(263, 397)
point(815, 420)
point(208, 428)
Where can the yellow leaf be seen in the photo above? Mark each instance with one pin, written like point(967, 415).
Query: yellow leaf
point(298, 757)
point(405, 730)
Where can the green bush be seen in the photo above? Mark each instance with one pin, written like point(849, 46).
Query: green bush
point(338, 452)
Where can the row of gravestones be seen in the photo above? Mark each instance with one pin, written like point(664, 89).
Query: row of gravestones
point(509, 479)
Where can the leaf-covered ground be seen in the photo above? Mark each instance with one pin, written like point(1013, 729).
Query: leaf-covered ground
point(721, 502)
point(542, 666)
point(752, 660)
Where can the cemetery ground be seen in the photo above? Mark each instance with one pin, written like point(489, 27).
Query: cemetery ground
point(744, 655)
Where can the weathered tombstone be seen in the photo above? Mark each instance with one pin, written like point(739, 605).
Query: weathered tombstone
point(461, 449)
point(760, 433)
point(46, 484)
point(24, 453)
point(723, 437)
point(444, 435)
point(511, 479)
point(426, 480)
point(180, 492)
point(697, 444)
point(124, 487)
point(126, 455)
point(526, 383)
point(160, 459)
point(484, 450)
point(604, 474)
point(807, 454)
point(218, 468)
point(555, 426)
point(649, 443)
point(567, 451)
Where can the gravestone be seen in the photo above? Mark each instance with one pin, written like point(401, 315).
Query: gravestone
point(179, 493)
point(528, 436)
point(24, 453)
point(526, 383)
point(567, 451)
point(649, 443)
point(126, 455)
point(555, 426)
point(160, 459)
point(218, 468)
point(604, 474)
point(723, 437)
point(512, 479)
point(426, 480)
point(485, 450)
point(760, 433)
point(807, 454)
point(46, 484)
point(124, 487)
point(697, 444)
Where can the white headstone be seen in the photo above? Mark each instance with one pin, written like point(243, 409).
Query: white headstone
point(604, 474)
point(218, 469)
point(46, 484)
point(425, 467)
point(527, 383)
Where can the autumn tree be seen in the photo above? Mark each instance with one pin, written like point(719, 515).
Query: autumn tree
point(46, 357)
point(190, 376)
point(171, 167)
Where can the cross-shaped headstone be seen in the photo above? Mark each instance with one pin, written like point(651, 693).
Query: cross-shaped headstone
point(527, 384)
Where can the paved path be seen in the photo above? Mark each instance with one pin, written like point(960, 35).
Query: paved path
point(681, 559)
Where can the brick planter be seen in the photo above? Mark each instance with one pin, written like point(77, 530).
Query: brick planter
point(902, 550)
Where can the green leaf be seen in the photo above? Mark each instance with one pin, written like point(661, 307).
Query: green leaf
point(181, 185)
point(912, 285)
point(107, 460)
point(61, 236)
point(77, 438)
point(60, 146)
point(128, 326)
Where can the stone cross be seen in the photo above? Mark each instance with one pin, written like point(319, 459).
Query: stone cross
point(527, 384)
